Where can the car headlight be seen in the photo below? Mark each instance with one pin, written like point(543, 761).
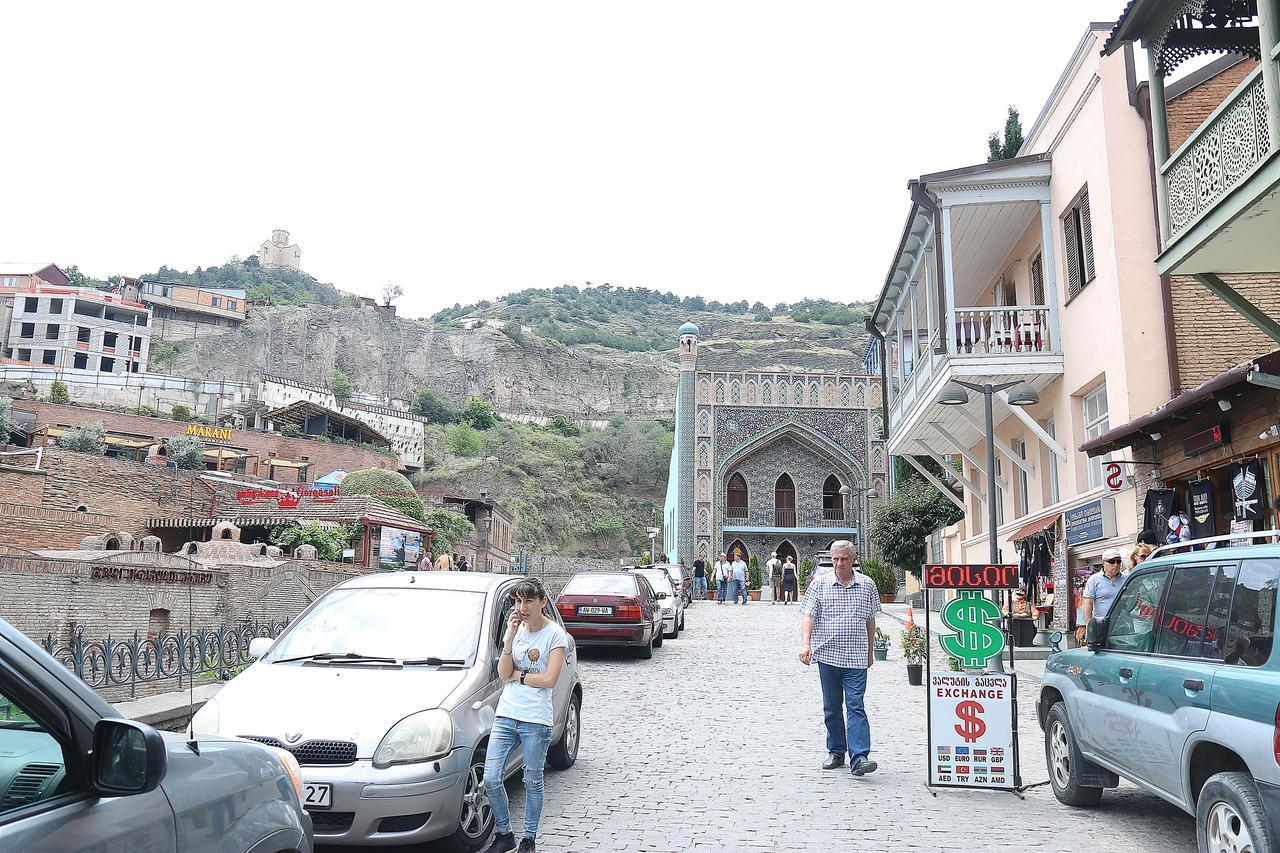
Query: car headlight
point(291, 767)
point(418, 737)
point(206, 720)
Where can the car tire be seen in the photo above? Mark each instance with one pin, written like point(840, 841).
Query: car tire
point(658, 636)
point(475, 812)
point(682, 621)
point(564, 752)
point(1229, 815)
point(645, 651)
point(1063, 757)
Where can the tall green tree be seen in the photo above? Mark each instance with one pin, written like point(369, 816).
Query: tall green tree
point(1006, 149)
point(449, 528)
point(900, 525)
point(186, 452)
point(433, 407)
point(480, 413)
point(340, 385)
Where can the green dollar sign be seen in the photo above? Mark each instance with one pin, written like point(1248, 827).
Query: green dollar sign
point(975, 639)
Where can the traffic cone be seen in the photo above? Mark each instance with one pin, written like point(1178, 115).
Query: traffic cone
point(911, 621)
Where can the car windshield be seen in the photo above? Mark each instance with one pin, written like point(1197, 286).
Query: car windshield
point(404, 625)
point(659, 579)
point(589, 584)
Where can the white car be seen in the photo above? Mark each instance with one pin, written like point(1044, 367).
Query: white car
point(668, 599)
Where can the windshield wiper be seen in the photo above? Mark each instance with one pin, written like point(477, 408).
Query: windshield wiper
point(433, 661)
point(342, 656)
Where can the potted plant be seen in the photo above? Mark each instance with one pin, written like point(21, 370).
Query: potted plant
point(753, 578)
point(881, 646)
point(915, 645)
point(712, 589)
point(884, 579)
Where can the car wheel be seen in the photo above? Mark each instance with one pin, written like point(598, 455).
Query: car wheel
point(681, 621)
point(564, 752)
point(476, 821)
point(658, 636)
point(1230, 817)
point(1063, 758)
point(645, 651)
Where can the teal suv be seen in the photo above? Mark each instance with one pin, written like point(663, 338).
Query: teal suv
point(1178, 691)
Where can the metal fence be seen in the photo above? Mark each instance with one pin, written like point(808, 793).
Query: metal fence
point(126, 663)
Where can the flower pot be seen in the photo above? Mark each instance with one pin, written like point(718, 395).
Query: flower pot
point(881, 654)
point(886, 599)
point(754, 594)
point(915, 674)
point(711, 595)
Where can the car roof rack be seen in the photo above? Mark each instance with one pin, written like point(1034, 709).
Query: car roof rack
point(1230, 537)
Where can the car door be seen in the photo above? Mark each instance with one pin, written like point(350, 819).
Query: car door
point(503, 605)
point(564, 684)
point(1176, 680)
point(649, 603)
point(45, 802)
point(1104, 719)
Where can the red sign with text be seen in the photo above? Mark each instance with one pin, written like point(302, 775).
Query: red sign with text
point(970, 576)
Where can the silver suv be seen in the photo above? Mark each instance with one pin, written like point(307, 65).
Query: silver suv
point(1178, 690)
point(385, 689)
point(76, 776)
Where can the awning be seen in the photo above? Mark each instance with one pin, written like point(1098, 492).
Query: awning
point(1035, 527)
point(283, 463)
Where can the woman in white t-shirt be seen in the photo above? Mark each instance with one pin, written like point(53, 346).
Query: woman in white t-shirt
point(532, 656)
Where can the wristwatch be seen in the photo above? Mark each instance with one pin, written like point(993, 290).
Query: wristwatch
point(523, 673)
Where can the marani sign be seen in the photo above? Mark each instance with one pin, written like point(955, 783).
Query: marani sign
point(209, 433)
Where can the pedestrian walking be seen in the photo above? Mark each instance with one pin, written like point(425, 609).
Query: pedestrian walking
point(1100, 591)
point(774, 569)
point(533, 650)
point(837, 630)
point(699, 579)
point(723, 569)
point(444, 563)
point(463, 565)
point(739, 570)
point(790, 581)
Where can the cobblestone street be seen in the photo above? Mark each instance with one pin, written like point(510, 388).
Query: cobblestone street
point(715, 745)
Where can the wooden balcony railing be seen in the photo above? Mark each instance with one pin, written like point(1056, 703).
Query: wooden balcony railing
point(784, 518)
point(1002, 330)
point(737, 512)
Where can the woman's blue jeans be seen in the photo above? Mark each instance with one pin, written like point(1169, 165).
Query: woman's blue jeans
point(534, 738)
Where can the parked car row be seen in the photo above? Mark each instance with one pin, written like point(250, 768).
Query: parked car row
point(639, 607)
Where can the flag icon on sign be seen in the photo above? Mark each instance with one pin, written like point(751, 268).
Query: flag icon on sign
point(962, 750)
point(997, 769)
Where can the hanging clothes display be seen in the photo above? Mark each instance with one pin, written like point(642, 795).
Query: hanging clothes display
point(1200, 508)
point(1157, 509)
point(1034, 560)
point(1247, 489)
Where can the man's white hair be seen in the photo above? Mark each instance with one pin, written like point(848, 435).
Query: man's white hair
point(843, 545)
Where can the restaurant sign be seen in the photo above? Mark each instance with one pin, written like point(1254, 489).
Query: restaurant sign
point(284, 498)
point(204, 432)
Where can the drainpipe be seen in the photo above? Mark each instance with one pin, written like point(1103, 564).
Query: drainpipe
point(869, 322)
point(1142, 103)
point(921, 196)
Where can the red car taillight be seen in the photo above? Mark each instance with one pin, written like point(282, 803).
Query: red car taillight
point(628, 611)
point(566, 610)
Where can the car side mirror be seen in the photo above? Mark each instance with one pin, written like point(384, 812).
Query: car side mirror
point(659, 595)
point(128, 758)
point(1055, 641)
point(259, 646)
point(1095, 634)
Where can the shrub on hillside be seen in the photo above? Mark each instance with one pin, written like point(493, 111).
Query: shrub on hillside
point(340, 385)
point(7, 422)
point(433, 407)
point(180, 412)
point(390, 487)
point(480, 413)
point(463, 440)
point(59, 393)
point(86, 438)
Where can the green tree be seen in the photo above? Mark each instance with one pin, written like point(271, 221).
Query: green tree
point(290, 430)
point(59, 393)
point(754, 577)
point(463, 441)
point(340, 385)
point(433, 407)
point(1009, 147)
point(480, 413)
point(85, 438)
point(390, 487)
point(186, 452)
point(562, 425)
point(180, 412)
point(7, 422)
point(513, 330)
point(448, 528)
point(165, 355)
point(328, 542)
point(900, 524)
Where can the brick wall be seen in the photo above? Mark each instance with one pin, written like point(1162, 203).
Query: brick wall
point(34, 528)
point(322, 456)
point(1211, 336)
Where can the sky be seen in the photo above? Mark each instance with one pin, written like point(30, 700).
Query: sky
point(731, 149)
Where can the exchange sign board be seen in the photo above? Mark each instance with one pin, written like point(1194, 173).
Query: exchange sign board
point(972, 716)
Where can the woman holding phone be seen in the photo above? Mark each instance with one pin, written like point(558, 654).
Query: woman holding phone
point(532, 656)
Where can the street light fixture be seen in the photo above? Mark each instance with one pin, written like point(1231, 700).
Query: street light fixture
point(954, 393)
point(653, 535)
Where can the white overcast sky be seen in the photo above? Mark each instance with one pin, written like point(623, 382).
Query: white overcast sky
point(732, 149)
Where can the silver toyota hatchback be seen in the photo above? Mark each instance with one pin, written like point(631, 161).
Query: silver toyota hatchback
point(385, 690)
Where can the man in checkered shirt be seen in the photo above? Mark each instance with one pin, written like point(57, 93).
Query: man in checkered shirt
point(837, 631)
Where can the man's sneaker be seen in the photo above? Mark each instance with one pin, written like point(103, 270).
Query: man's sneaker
point(862, 767)
point(526, 845)
point(503, 842)
point(833, 761)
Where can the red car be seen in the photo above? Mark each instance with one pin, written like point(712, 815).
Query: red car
point(612, 609)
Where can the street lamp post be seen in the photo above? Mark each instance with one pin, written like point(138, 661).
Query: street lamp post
point(1022, 394)
point(653, 535)
point(846, 494)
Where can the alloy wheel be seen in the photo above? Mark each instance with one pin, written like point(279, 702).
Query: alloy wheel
point(1226, 832)
point(571, 732)
point(1059, 755)
point(475, 804)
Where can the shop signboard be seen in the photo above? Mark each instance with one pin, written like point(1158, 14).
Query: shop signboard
point(973, 720)
point(211, 434)
point(1090, 522)
point(284, 498)
point(398, 548)
point(1113, 475)
point(971, 730)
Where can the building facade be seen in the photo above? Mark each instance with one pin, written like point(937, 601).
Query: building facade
point(208, 306)
point(770, 461)
point(72, 328)
point(279, 252)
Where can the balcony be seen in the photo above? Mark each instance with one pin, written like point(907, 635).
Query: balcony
point(799, 521)
point(784, 517)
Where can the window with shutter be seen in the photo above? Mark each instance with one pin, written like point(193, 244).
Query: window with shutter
point(1086, 241)
point(1073, 254)
point(1037, 280)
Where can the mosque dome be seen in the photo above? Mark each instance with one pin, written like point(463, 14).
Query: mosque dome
point(688, 329)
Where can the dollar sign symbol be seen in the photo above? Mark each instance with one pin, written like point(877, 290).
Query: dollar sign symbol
point(971, 726)
point(975, 639)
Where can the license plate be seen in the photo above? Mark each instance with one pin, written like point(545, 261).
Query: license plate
point(590, 610)
point(317, 795)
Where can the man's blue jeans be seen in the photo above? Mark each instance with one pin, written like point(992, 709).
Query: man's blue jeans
point(534, 738)
point(699, 589)
point(842, 691)
point(735, 590)
point(721, 588)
